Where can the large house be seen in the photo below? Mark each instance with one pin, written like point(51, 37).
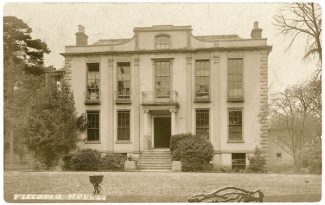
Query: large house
point(137, 92)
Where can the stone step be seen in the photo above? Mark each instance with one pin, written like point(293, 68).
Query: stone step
point(154, 157)
point(155, 151)
point(155, 170)
point(155, 167)
point(154, 163)
point(156, 154)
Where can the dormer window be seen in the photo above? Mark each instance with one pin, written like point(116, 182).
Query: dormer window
point(162, 42)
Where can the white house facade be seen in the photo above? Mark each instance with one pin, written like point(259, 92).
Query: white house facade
point(138, 92)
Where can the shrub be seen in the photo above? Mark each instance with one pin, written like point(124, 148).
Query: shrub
point(67, 162)
point(175, 138)
point(38, 163)
point(86, 160)
point(257, 161)
point(113, 161)
point(194, 152)
point(310, 156)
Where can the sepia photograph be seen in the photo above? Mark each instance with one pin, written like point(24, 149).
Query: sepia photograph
point(153, 102)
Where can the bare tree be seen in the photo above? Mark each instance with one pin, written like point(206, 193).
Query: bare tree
point(296, 117)
point(303, 19)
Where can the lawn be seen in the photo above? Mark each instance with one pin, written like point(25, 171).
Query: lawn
point(162, 186)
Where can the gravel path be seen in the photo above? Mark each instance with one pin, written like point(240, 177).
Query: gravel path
point(157, 184)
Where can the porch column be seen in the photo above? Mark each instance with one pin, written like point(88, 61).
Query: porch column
point(146, 130)
point(173, 122)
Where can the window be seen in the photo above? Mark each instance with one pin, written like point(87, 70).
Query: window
point(93, 81)
point(92, 125)
point(238, 160)
point(202, 123)
point(278, 155)
point(162, 79)
point(123, 81)
point(235, 125)
point(235, 79)
point(202, 72)
point(162, 42)
point(123, 125)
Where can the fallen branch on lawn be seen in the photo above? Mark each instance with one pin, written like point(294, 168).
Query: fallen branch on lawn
point(229, 194)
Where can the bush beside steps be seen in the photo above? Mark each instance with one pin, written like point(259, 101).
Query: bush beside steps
point(194, 152)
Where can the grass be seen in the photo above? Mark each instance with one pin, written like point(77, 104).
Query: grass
point(162, 186)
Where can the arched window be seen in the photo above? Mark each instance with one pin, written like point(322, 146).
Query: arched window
point(162, 42)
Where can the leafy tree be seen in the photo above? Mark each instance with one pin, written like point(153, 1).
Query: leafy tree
point(23, 69)
point(52, 127)
point(302, 19)
point(17, 39)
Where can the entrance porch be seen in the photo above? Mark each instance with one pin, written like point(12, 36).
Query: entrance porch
point(159, 126)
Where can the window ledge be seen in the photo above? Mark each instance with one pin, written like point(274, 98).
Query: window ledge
point(202, 100)
point(92, 142)
point(235, 141)
point(123, 142)
point(92, 102)
point(123, 101)
point(232, 99)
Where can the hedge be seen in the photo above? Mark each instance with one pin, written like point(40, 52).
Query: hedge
point(86, 160)
point(113, 161)
point(91, 159)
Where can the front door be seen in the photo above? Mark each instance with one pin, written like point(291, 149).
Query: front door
point(162, 132)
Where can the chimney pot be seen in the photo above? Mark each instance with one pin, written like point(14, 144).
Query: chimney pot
point(81, 29)
point(256, 32)
point(255, 24)
point(81, 37)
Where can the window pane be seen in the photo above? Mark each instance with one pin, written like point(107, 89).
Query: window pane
point(202, 72)
point(238, 161)
point(162, 79)
point(235, 125)
point(123, 125)
point(92, 125)
point(123, 80)
point(162, 42)
point(93, 82)
point(235, 81)
point(202, 123)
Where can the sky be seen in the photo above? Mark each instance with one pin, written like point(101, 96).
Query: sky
point(56, 24)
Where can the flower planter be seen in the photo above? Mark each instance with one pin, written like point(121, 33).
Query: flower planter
point(93, 96)
point(176, 166)
point(130, 166)
point(95, 181)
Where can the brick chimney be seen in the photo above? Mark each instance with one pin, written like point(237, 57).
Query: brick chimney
point(256, 32)
point(81, 37)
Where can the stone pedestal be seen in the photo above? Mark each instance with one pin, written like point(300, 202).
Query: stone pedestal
point(130, 166)
point(176, 166)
